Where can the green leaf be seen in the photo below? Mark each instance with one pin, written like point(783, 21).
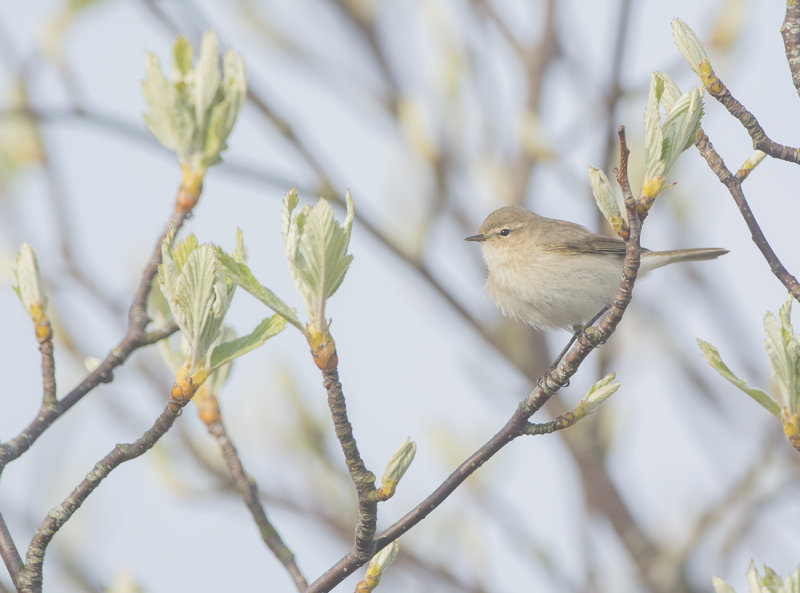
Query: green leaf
point(216, 133)
point(159, 94)
point(234, 83)
point(181, 57)
point(204, 300)
point(721, 586)
point(182, 250)
point(783, 349)
point(289, 204)
point(185, 126)
point(27, 279)
point(206, 78)
point(325, 249)
point(669, 91)
point(198, 295)
point(194, 113)
point(316, 250)
point(792, 342)
point(598, 393)
point(653, 136)
point(776, 350)
point(606, 198)
point(681, 124)
point(711, 354)
point(398, 464)
point(239, 273)
point(158, 307)
point(227, 351)
point(239, 252)
point(689, 45)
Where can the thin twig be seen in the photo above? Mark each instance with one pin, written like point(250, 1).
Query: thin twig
point(549, 384)
point(29, 578)
point(248, 490)
point(717, 89)
point(790, 31)
point(8, 550)
point(48, 371)
point(363, 479)
point(366, 28)
point(734, 186)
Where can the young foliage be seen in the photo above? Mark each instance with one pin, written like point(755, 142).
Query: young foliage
point(783, 348)
point(691, 47)
point(199, 294)
point(377, 566)
point(396, 468)
point(194, 113)
point(240, 273)
point(665, 140)
point(316, 251)
point(769, 583)
point(27, 281)
point(610, 205)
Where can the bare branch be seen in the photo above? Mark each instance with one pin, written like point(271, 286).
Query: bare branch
point(8, 550)
point(363, 479)
point(29, 579)
point(248, 490)
point(790, 31)
point(734, 186)
point(717, 89)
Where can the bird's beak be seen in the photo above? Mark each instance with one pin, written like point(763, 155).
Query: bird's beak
point(476, 238)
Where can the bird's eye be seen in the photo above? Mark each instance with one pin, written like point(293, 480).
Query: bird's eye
point(505, 232)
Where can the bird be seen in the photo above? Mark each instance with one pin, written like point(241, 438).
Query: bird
point(555, 274)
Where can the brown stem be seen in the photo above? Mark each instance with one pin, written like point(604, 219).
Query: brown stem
point(734, 186)
point(790, 31)
point(29, 578)
point(48, 372)
point(8, 550)
point(364, 480)
point(717, 89)
point(248, 490)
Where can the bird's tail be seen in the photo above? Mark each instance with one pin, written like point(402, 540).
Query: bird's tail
point(655, 259)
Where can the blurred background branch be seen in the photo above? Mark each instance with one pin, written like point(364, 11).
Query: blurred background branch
point(432, 115)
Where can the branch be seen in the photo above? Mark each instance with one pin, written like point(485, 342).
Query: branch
point(364, 480)
point(135, 337)
point(717, 89)
point(248, 490)
point(548, 385)
point(29, 578)
point(48, 370)
point(8, 550)
point(734, 186)
point(790, 31)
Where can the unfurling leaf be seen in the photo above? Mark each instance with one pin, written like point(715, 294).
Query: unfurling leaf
point(227, 351)
point(711, 354)
point(194, 113)
point(27, 280)
point(690, 46)
point(316, 251)
point(239, 273)
point(607, 201)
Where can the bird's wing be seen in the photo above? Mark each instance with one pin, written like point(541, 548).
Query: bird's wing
point(581, 241)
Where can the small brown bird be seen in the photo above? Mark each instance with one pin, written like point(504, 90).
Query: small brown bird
point(553, 274)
